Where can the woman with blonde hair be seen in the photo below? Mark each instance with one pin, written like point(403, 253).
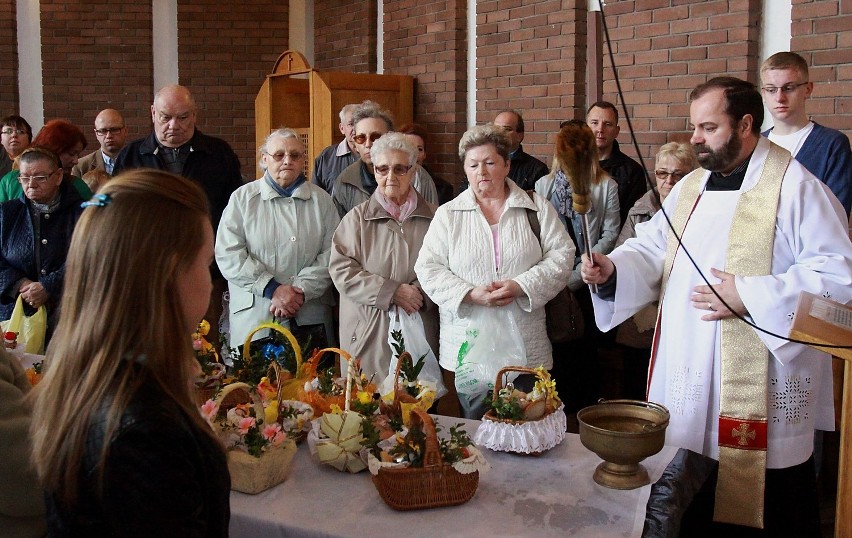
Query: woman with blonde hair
point(118, 443)
point(575, 365)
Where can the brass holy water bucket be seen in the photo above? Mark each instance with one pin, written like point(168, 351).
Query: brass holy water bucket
point(623, 433)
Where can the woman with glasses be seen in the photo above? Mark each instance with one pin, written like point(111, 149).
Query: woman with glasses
point(63, 139)
point(15, 135)
point(273, 244)
point(372, 257)
point(673, 162)
point(35, 231)
point(357, 182)
point(481, 252)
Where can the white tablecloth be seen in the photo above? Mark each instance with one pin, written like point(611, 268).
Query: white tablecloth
point(549, 495)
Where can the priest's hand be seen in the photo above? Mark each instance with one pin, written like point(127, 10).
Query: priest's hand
point(598, 273)
point(705, 299)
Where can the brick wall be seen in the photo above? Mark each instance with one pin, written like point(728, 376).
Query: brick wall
point(663, 49)
point(822, 34)
point(96, 55)
point(225, 50)
point(531, 57)
point(427, 40)
point(8, 58)
point(345, 36)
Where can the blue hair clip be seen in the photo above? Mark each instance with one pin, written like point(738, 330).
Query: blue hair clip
point(98, 200)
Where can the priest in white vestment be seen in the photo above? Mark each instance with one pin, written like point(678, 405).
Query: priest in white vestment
point(810, 251)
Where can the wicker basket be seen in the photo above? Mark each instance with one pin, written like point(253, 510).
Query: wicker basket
point(530, 437)
point(434, 485)
point(335, 439)
point(288, 388)
point(403, 403)
point(250, 474)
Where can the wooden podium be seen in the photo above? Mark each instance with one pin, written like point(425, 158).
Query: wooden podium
point(308, 101)
point(822, 321)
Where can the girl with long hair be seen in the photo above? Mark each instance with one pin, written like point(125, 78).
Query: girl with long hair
point(118, 443)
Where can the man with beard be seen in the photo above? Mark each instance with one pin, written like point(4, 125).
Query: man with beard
point(760, 228)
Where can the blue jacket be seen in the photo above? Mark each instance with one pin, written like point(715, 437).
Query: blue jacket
point(19, 248)
point(826, 154)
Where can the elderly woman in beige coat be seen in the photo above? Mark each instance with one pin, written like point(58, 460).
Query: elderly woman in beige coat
point(372, 258)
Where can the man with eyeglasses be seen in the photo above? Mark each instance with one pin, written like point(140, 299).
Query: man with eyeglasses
point(358, 181)
point(823, 151)
point(112, 134)
point(335, 158)
point(524, 169)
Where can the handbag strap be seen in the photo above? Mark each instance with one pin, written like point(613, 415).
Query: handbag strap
point(532, 217)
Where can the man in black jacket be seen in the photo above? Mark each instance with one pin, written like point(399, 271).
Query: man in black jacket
point(602, 117)
point(524, 169)
point(178, 147)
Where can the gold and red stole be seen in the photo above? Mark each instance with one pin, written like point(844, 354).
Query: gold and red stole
point(743, 431)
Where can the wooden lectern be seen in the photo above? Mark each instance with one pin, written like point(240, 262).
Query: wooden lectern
point(308, 101)
point(822, 321)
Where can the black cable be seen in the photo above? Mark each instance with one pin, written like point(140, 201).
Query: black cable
point(681, 246)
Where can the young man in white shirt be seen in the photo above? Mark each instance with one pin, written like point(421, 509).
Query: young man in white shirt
point(825, 152)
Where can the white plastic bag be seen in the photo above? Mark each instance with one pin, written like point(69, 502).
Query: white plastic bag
point(414, 336)
point(493, 341)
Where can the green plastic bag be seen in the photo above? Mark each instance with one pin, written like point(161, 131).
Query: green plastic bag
point(30, 329)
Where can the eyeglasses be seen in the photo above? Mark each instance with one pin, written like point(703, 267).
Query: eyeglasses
point(398, 169)
point(786, 88)
point(37, 179)
point(278, 157)
point(665, 174)
point(8, 131)
point(108, 130)
point(362, 138)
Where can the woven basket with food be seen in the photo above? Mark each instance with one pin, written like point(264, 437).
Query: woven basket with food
point(259, 453)
point(336, 436)
point(520, 422)
point(417, 470)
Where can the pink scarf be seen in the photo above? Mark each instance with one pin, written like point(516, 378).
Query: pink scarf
point(399, 212)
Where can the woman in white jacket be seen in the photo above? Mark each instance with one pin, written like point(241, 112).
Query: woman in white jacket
point(480, 252)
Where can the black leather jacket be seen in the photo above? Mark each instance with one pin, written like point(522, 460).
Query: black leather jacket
point(163, 477)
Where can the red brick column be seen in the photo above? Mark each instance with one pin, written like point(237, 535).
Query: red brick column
point(427, 40)
point(8, 58)
point(345, 36)
point(822, 34)
point(531, 57)
point(663, 49)
point(97, 55)
point(225, 49)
